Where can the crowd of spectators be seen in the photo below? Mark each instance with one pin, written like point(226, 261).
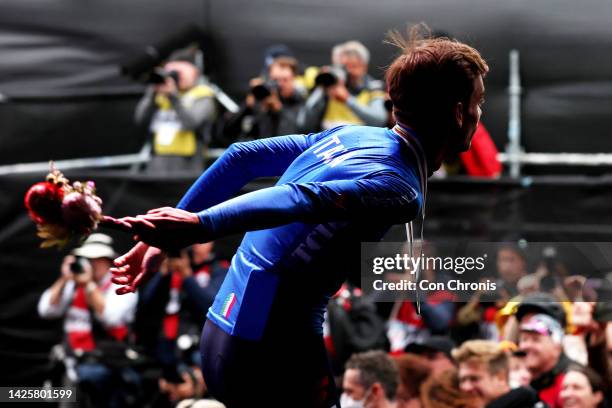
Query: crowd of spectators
point(139, 349)
point(182, 116)
point(536, 341)
point(519, 347)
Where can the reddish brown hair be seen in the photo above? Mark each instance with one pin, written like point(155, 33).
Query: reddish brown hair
point(413, 370)
point(442, 391)
point(430, 77)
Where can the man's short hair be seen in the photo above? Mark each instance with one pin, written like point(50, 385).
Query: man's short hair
point(430, 77)
point(375, 367)
point(356, 49)
point(488, 353)
point(285, 62)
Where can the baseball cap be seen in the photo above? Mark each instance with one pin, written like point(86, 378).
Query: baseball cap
point(545, 325)
point(542, 303)
point(96, 246)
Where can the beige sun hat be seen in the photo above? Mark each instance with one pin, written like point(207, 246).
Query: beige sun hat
point(96, 246)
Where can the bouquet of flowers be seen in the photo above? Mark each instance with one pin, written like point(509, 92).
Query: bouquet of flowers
point(63, 211)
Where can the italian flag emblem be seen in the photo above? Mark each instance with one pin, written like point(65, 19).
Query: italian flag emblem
point(228, 305)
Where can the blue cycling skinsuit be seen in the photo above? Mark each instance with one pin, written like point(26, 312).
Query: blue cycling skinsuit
point(262, 342)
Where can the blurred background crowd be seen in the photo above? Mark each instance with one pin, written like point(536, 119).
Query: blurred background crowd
point(74, 86)
point(542, 338)
point(183, 116)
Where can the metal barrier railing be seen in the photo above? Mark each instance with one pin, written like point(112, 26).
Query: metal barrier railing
point(93, 162)
point(514, 148)
point(553, 159)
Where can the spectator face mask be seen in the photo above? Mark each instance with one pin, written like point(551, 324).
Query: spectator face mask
point(348, 402)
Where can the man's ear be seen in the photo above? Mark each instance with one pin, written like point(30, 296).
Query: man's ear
point(598, 397)
point(377, 390)
point(502, 376)
point(459, 114)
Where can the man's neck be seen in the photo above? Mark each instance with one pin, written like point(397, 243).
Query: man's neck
point(103, 279)
point(539, 371)
point(387, 404)
point(356, 84)
point(432, 159)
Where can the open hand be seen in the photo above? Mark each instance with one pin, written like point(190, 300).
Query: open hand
point(131, 268)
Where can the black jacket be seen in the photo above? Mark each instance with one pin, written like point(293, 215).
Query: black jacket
point(522, 397)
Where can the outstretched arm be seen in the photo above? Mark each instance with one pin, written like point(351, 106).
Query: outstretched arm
point(386, 198)
point(241, 163)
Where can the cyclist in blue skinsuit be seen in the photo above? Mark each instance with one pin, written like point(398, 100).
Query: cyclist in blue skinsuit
point(262, 343)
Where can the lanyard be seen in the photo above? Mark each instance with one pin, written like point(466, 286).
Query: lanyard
point(414, 145)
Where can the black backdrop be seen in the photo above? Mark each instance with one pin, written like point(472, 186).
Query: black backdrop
point(57, 55)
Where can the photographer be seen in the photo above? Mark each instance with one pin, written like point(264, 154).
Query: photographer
point(271, 105)
point(170, 315)
point(95, 317)
point(176, 109)
point(345, 94)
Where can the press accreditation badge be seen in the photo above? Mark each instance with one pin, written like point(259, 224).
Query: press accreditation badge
point(166, 134)
point(165, 126)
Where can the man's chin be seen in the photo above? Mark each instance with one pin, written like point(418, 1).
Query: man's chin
point(466, 146)
point(468, 143)
point(462, 148)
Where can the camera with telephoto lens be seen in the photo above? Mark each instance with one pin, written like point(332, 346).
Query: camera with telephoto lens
point(158, 76)
point(265, 89)
point(78, 266)
point(335, 74)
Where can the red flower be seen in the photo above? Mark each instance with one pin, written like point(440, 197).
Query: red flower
point(80, 212)
point(44, 202)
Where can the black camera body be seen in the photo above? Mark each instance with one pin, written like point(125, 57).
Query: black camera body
point(78, 266)
point(262, 91)
point(327, 78)
point(159, 76)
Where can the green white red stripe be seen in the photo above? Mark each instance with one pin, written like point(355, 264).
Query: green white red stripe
point(228, 305)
